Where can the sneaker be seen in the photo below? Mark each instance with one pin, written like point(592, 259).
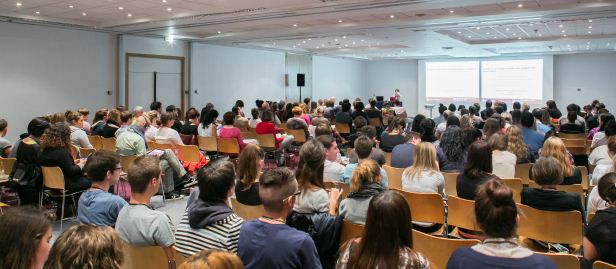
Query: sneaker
point(191, 184)
point(173, 196)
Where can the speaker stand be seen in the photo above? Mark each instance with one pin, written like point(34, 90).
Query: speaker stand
point(300, 94)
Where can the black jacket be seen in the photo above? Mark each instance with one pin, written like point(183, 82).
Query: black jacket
point(325, 232)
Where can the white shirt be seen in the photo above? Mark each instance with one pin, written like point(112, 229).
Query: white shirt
point(253, 123)
point(333, 171)
point(503, 164)
point(79, 138)
point(207, 132)
point(150, 133)
point(595, 202)
point(166, 135)
point(599, 156)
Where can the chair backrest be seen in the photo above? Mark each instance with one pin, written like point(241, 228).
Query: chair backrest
point(161, 146)
point(575, 188)
point(438, 249)
point(387, 156)
point(189, 153)
point(250, 134)
point(572, 136)
point(539, 225)
point(515, 184)
point(298, 135)
point(6, 164)
point(53, 178)
point(562, 261)
point(425, 207)
point(266, 141)
point(584, 172)
point(127, 161)
point(188, 139)
point(602, 265)
point(151, 144)
point(581, 142)
point(207, 143)
point(590, 217)
point(576, 150)
point(376, 122)
point(349, 230)
point(394, 176)
point(522, 171)
point(84, 152)
point(151, 257)
point(247, 212)
point(228, 146)
point(451, 183)
point(109, 143)
point(461, 213)
point(96, 141)
point(339, 185)
point(343, 128)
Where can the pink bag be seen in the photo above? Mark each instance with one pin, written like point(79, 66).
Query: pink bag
point(122, 189)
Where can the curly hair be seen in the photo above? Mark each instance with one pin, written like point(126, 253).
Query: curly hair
point(86, 247)
point(515, 142)
point(58, 135)
point(452, 144)
point(555, 147)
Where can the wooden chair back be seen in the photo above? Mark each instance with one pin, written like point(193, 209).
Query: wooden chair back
point(584, 172)
point(189, 153)
point(340, 185)
point(161, 146)
point(188, 139)
point(539, 225)
point(461, 213)
point(126, 162)
point(349, 230)
point(151, 144)
point(96, 141)
point(151, 257)
point(207, 143)
point(376, 122)
point(515, 184)
point(522, 171)
point(438, 249)
point(343, 128)
point(298, 135)
point(266, 141)
point(247, 212)
point(425, 207)
point(109, 143)
point(562, 261)
point(394, 176)
point(451, 183)
point(572, 136)
point(575, 188)
point(7, 164)
point(85, 153)
point(602, 265)
point(581, 142)
point(53, 178)
point(590, 217)
point(228, 146)
point(387, 156)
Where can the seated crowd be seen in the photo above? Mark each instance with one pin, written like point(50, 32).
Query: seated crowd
point(332, 166)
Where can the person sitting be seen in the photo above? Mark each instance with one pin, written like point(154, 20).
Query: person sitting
point(402, 154)
point(497, 217)
point(239, 121)
point(318, 118)
point(358, 110)
point(600, 138)
point(478, 170)
point(503, 161)
point(56, 151)
point(376, 154)
point(572, 126)
point(207, 124)
point(126, 120)
point(601, 158)
point(26, 238)
point(599, 238)
point(548, 173)
point(97, 206)
point(138, 224)
point(99, 121)
point(252, 123)
point(152, 129)
point(532, 138)
point(572, 113)
point(208, 222)
point(166, 133)
point(266, 126)
point(79, 137)
point(297, 122)
point(415, 125)
point(487, 113)
point(344, 116)
point(428, 128)
point(267, 242)
point(191, 125)
point(373, 112)
point(542, 120)
point(229, 130)
point(451, 151)
point(249, 169)
point(364, 184)
point(387, 220)
point(175, 115)
point(394, 136)
point(212, 259)
point(515, 144)
point(26, 170)
point(555, 147)
point(363, 148)
point(112, 124)
point(332, 170)
point(86, 246)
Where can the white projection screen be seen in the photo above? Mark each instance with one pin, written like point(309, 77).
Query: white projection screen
point(512, 80)
point(452, 81)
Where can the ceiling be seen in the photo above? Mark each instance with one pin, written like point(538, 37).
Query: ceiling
point(362, 29)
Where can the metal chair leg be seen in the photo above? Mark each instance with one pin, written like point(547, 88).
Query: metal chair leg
point(62, 213)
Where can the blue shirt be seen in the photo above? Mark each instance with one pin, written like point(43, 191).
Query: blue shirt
point(468, 258)
point(542, 128)
point(348, 171)
point(272, 246)
point(533, 139)
point(99, 207)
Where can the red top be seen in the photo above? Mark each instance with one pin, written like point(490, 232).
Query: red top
point(306, 118)
point(232, 133)
point(266, 127)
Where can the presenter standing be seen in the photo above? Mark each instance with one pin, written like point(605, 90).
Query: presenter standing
point(396, 96)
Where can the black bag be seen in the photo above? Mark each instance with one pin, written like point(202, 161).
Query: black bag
point(26, 174)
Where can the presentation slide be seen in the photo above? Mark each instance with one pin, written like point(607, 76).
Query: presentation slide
point(512, 80)
point(452, 81)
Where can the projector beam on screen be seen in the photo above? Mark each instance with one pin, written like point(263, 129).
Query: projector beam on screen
point(513, 80)
point(452, 81)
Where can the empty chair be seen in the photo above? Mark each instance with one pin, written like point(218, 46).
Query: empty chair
point(522, 171)
point(515, 184)
point(228, 146)
point(53, 180)
point(438, 249)
point(425, 207)
point(151, 257)
point(299, 136)
point(96, 141)
point(207, 144)
point(84, 152)
point(461, 214)
point(450, 183)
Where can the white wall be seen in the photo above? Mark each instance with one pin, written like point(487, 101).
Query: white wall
point(594, 74)
point(342, 78)
point(221, 75)
point(383, 77)
point(46, 70)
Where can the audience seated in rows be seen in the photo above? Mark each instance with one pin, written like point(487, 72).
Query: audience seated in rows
point(79, 137)
point(516, 145)
point(548, 173)
point(376, 154)
point(266, 126)
point(451, 151)
point(190, 126)
point(332, 170)
point(532, 138)
point(394, 135)
point(363, 148)
point(112, 124)
point(207, 125)
point(228, 130)
point(126, 120)
point(250, 165)
point(402, 154)
point(503, 161)
point(364, 184)
point(27, 171)
point(555, 147)
point(477, 170)
point(297, 122)
point(166, 133)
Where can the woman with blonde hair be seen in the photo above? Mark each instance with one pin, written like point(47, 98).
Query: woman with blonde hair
point(212, 259)
point(365, 183)
point(86, 246)
point(516, 145)
point(555, 147)
point(248, 172)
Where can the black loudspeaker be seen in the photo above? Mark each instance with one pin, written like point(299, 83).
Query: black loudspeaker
point(301, 80)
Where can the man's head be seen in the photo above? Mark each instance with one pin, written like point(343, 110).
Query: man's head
point(527, 119)
point(517, 105)
point(103, 166)
point(3, 127)
point(331, 148)
point(216, 181)
point(363, 147)
point(571, 116)
point(488, 103)
point(141, 122)
point(137, 111)
point(126, 117)
point(277, 189)
point(413, 138)
point(156, 106)
point(171, 109)
point(144, 175)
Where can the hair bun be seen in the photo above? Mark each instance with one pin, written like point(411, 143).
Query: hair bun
point(499, 194)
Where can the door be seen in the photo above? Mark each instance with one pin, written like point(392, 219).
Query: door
point(154, 78)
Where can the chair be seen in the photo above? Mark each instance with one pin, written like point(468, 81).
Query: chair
point(127, 161)
point(207, 144)
point(522, 171)
point(152, 257)
point(387, 156)
point(425, 207)
point(515, 184)
point(603, 265)
point(394, 176)
point(590, 217)
point(249, 134)
point(161, 146)
point(539, 225)
point(572, 136)
point(577, 150)
point(574, 142)
point(84, 152)
point(53, 179)
point(461, 213)
point(349, 230)
point(228, 146)
point(575, 188)
point(151, 144)
point(376, 122)
point(333, 184)
point(562, 261)
point(6, 165)
point(343, 128)
point(109, 144)
point(188, 139)
point(585, 182)
point(268, 143)
point(96, 141)
point(189, 153)
point(450, 183)
point(247, 212)
point(438, 249)
point(299, 136)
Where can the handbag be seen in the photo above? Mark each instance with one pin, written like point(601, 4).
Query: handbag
point(26, 174)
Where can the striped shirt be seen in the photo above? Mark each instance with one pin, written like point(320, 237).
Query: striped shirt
point(220, 235)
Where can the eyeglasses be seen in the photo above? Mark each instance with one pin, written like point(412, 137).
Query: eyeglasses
point(298, 192)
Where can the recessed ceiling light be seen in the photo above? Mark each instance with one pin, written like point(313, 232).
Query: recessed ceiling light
point(487, 33)
point(519, 37)
point(608, 43)
point(378, 44)
point(590, 32)
point(469, 36)
point(339, 21)
point(561, 26)
point(353, 42)
point(588, 43)
point(336, 40)
point(540, 34)
point(589, 27)
point(322, 45)
point(507, 29)
point(520, 5)
point(478, 28)
point(452, 11)
point(83, 14)
point(309, 39)
point(568, 45)
point(295, 25)
point(562, 31)
point(495, 37)
point(121, 8)
point(564, 35)
point(391, 16)
point(169, 9)
point(346, 45)
point(515, 34)
point(362, 40)
point(71, 6)
point(129, 14)
point(343, 36)
point(304, 41)
point(219, 32)
point(38, 12)
point(589, 20)
point(317, 47)
point(531, 24)
point(18, 4)
point(459, 32)
point(164, 1)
